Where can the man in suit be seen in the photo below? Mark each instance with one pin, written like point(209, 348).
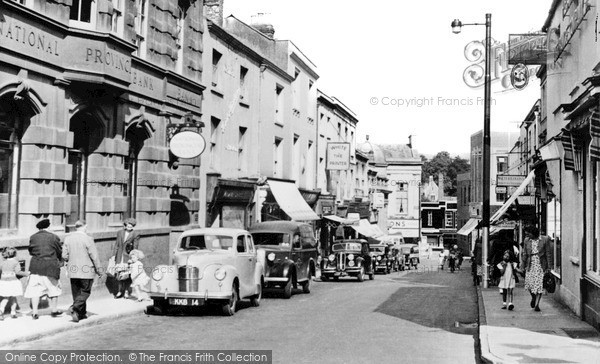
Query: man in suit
point(127, 240)
point(46, 254)
point(81, 255)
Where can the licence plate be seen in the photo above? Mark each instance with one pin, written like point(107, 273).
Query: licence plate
point(185, 301)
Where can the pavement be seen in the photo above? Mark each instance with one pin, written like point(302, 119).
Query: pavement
point(101, 306)
point(553, 335)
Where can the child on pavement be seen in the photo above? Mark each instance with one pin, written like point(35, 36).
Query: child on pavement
point(10, 285)
point(507, 268)
point(139, 278)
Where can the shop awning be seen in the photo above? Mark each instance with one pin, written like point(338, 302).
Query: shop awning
point(291, 201)
point(512, 198)
point(468, 227)
point(341, 220)
point(367, 229)
point(377, 229)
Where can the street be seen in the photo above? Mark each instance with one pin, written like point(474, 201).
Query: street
point(424, 316)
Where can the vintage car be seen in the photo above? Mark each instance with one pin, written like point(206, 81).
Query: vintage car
point(411, 255)
point(216, 265)
point(381, 258)
point(288, 252)
point(348, 258)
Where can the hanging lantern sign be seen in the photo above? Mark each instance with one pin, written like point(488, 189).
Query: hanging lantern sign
point(187, 144)
point(519, 76)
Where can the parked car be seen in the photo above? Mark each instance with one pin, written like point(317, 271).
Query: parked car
point(348, 258)
point(392, 239)
point(288, 252)
point(381, 260)
point(408, 252)
point(215, 265)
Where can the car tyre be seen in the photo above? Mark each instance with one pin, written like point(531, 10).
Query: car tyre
point(371, 276)
point(231, 306)
point(361, 274)
point(306, 285)
point(255, 300)
point(287, 289)
point(324, 278)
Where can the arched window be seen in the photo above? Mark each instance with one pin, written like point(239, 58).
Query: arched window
point(12, 122)
point(88, 132)
point(138, 130)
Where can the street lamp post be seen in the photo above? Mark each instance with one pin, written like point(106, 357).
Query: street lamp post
point(485, 214)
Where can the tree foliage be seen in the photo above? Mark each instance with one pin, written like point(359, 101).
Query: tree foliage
point(448, 166)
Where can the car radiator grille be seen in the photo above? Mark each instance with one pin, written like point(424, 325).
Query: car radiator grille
point(342, 261)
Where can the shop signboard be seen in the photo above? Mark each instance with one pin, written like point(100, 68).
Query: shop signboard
point(527, 49)
point(378, 200)
point(338, 156)
point(187, 144)
point(509, 180)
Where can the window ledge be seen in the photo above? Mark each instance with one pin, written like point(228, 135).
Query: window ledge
point(244, 104)
point(217, 92)
point(280, 124)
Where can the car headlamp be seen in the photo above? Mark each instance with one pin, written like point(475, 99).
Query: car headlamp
point(331, 257)
point(351, 257)
point(379, 257)
point(351, 263)
point(271, 257)
point(157, 274)
point(220, 274)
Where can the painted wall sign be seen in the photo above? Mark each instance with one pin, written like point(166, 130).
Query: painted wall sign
point(509, 180)
point(403, 224)
point(184, 96)
point(338, 156)
point(26, 39)
point(187, 144)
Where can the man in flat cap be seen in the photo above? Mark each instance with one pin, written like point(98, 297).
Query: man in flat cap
point(46, 254)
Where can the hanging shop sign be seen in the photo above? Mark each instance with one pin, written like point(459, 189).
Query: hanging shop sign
point(527, 49)
point(187, 144)
point(509, 180)
point(519, 76)
point(338, 156)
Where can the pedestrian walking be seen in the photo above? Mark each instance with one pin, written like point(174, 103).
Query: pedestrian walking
point(81, 256)
point(477, 262)
point(44, 279)
point(10, 285)
point(127, 240)
point(536, 254)
point(508, 269)
point(139, 278)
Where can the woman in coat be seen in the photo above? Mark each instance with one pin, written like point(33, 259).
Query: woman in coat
point(127, 240)
point(537, 253)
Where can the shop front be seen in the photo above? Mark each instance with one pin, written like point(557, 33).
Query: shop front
point(231, 204)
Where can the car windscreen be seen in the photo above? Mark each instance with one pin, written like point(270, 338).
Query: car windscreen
point(206, 242)
point(276, 239)
point(346, 246)
point(378, 249)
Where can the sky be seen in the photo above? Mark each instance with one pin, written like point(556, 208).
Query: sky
point(400, 68)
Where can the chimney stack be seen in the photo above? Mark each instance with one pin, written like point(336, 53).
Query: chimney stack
point(213, 11)
point(262, 23)
point(440, 186)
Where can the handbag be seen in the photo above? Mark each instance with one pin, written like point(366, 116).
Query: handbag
point(110, 269)
point(549, 282)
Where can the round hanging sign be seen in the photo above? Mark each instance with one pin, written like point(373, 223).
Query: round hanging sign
point(519, 76)
point(187, 144)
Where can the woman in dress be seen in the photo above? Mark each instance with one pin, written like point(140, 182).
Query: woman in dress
point(535, 261)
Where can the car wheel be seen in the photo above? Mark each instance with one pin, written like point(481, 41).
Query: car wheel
point(231, 306)
point(361, 274)
point(255, 300)
point(287, 289)
point(336, 278)
point(324, 278)
point(306, 286)
point(371, 276)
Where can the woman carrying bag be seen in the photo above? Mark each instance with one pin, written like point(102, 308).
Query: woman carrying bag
point(127, 240)
point(537, 252)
